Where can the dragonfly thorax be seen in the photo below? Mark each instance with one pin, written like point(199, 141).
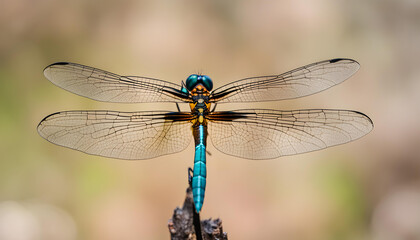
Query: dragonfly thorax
point(200, 107)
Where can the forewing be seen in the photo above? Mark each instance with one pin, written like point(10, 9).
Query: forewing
point(124, 135)
point(299, 82)
point(267, 134)
point(110, 87)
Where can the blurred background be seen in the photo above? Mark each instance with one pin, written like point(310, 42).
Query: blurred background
point(367, 189)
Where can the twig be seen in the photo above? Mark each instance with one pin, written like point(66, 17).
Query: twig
point(183, 224)
point(196, 222)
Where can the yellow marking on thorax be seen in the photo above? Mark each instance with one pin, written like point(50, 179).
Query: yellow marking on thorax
point(208, 106)
point(192, 106)
point(200, 118)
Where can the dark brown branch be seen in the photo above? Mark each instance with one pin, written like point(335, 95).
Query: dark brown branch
point(181, 226)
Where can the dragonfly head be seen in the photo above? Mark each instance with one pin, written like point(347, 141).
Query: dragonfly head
point(199, 82)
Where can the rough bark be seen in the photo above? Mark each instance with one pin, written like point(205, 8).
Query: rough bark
point(185, 221)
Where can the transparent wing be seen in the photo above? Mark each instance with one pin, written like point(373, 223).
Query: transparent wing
point(124, 135)
point(266, 134)
point(110, 87)
point(300, 82)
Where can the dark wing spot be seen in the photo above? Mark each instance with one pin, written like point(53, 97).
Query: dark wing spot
point(60, 63)
point(336, 60)
point(57, 63)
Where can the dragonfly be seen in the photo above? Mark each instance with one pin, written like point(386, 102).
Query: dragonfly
point(245, 133)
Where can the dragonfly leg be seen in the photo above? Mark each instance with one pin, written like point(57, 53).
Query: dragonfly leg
point(177, 106)
point(190, 175)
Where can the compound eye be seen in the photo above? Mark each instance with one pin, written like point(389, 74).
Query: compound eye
point(207, 82)
point(191, 82)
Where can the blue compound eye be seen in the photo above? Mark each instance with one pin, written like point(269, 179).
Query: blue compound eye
point(194, 79)
point(191, 82)
point(207, 82)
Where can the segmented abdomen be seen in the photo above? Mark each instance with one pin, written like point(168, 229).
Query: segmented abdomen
point(200, 172)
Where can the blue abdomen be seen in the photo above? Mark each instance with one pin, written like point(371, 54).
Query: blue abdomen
point(200, 171)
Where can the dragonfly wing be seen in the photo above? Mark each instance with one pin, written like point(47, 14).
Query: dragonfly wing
point(267, 134)
point(110, 87)
point(124, 135)
point(299, 82)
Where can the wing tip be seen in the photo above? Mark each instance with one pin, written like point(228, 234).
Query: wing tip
point(46, 69)
point(352, 68)
point(369, 123)
point(38, 127)
point(367, 118)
